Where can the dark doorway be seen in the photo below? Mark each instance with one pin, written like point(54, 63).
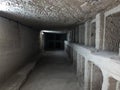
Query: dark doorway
point(54, 41)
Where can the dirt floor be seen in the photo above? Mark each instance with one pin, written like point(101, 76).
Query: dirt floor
point(52, 72)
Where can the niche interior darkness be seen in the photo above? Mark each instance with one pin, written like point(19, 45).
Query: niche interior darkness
point(54, 41)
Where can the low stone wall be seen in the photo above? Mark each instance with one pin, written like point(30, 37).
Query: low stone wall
point(95, 68)
point(17, 80)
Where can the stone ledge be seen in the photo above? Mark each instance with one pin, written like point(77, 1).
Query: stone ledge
point(17, 80)
point(103, 59)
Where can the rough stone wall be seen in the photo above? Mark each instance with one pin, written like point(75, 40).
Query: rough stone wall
point(17, 44)
point(53, 13)
point(112, 33)
point(99, 73)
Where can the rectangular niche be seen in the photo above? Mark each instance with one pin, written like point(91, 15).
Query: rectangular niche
point(96, 78)
point(75, 60)
point(71, 54)
point(92, 34)
point(113, 84)
point(81, 70)
point(93, 77)
point(81, 34)
point(112, 33)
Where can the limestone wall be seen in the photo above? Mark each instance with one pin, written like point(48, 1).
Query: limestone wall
point(98, 60)
point(94, 69)
point(17, 44)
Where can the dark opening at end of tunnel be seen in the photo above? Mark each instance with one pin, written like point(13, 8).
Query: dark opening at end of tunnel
point(54, 41)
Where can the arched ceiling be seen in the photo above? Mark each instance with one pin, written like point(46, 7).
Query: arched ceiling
point(52, 13)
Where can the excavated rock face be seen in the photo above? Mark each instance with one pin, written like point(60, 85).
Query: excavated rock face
point(52, 13)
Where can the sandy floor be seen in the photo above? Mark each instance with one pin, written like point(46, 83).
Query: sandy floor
point(53, 72)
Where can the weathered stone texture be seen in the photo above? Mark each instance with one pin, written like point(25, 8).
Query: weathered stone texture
point(52, 13)
point(112, 33)
point(17, 43)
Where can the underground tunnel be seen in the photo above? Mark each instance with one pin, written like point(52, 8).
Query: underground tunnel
point(59, 44)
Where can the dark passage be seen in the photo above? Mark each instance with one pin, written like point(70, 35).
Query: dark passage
point(53, 72)
point(54, 41)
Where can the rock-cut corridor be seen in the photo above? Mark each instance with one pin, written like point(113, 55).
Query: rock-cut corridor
point(31, 32)
point(52, 72)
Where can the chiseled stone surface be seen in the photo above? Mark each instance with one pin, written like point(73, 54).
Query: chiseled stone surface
point(52, 13)
point(17, 44)
point(99, 67)
point(112, 37)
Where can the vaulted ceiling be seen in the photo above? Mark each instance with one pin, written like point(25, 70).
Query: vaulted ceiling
point(52, 13)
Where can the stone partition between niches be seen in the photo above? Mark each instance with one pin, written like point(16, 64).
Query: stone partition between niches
point(112, 32)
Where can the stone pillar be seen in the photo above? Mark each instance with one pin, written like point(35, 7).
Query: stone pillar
point(87, 27)
point(99, 30)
